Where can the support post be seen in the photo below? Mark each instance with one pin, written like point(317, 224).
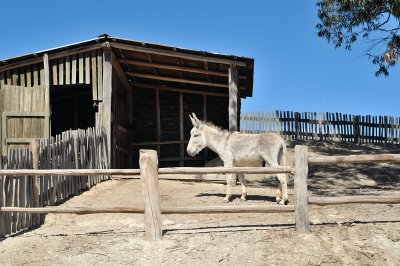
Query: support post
point(148, 163)
point(107, 99)
point(47, 129)
point(233, 102)
point(181, 131)
point(34, 147)
point(300, 189)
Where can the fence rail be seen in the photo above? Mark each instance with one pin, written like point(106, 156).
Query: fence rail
point(24, 189)
point(152, 210)
point(323, 126)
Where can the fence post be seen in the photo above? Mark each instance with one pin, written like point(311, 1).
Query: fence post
point(34, 147)
point(300, 189)
point(148, 163)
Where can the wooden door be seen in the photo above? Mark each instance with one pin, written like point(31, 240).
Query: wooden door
point(24, 115)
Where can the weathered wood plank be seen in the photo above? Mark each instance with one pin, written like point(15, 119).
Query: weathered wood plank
point(87, 68)
point(73, 69)
point(61, 71)
point(81, 69)
point(34, 147)
point(36, 81)
point(67, 70)
point(22, 81)
point(101, 72)
point(354, 159)
point(94, 76)
point(2, 80)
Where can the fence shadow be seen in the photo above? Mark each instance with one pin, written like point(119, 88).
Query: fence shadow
point(237, 196)
point(252, 227)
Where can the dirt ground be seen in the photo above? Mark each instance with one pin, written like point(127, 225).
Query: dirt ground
point(341, 235)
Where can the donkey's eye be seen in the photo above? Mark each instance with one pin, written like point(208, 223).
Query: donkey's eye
point(196, 135)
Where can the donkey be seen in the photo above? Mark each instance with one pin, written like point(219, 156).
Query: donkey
point(240, 149)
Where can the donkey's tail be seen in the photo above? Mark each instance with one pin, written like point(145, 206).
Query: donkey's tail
point(282, 155)
point(282, 159)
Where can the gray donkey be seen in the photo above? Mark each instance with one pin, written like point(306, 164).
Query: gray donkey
point(240, 149)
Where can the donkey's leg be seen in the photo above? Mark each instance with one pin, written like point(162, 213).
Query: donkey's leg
point(230, 178)
point(279, 193)
point(243, 184)
point(282, 196)
point(283, 189)
point(230, 182)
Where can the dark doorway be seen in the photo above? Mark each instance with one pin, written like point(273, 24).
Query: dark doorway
point(72, 107)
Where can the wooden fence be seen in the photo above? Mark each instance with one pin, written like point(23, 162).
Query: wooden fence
point(323, 126)
point(78, 149)
point(152, 210)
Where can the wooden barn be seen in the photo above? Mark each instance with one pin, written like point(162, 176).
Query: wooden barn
point(140, 93)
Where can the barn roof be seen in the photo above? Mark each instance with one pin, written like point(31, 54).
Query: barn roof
point(157, 66)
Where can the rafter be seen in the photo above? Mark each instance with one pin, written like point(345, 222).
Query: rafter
point(178, 68)
point(180, 80)
point(168, 88)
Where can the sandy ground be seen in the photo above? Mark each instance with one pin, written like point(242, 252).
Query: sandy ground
point(341, 235)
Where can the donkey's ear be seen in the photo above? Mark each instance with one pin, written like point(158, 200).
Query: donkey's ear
point(196, 119)
point(193, 121)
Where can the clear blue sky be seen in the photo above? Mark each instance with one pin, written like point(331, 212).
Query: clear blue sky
point(294, 69)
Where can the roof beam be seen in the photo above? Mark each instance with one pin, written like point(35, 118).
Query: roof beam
point(173, 67)
point(180, 80)
point(177, 54)
point(167, 88)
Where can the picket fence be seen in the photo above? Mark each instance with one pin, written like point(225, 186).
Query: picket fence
point(74, 149)
point(323, 126)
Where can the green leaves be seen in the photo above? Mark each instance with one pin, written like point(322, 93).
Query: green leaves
point(343, 22)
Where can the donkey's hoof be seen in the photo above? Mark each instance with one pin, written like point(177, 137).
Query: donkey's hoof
point(278, 199)
point(283, 202)
point(226, 200)
point(243, 198)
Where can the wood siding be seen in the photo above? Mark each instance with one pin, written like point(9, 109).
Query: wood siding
point(79, 68)
point(24, 115)
point(170, 132)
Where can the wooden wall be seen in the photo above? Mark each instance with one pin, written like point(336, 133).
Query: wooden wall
point(161, 122)
point(121, 125)
point(79, 68)
point(63, 69)
point(25, 76)
point(24, 115)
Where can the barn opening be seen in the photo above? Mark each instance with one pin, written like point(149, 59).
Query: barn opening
point(72, 107)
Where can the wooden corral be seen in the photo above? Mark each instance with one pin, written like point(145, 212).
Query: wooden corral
point(152, 210)
point(140, 93)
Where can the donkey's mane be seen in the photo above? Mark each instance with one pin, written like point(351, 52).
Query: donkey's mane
point(210, 124)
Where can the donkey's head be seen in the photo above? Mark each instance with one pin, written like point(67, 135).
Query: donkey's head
point(197, 140)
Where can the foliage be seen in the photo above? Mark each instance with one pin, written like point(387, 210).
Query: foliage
point(343, 22)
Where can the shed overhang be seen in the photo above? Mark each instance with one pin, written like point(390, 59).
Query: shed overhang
point(154, 66)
